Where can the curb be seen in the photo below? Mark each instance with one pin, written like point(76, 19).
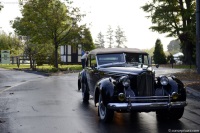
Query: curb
point(193, 92)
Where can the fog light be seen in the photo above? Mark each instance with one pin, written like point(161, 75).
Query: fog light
point(174, 95)
point(121, 97)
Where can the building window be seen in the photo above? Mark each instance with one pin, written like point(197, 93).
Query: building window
point(64, 49)
point(73, 49)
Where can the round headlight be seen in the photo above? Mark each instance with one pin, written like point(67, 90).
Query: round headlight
point(174, 96)
point(121, 96)
point(125, 81)
point(164, 80)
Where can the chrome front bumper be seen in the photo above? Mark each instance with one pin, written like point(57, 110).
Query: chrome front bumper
point(139, 103)
point(145, 106)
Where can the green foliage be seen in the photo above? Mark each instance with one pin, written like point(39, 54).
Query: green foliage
point(158, 54)
point(170, 58)
point(45, 68)
point(54, 70)
point(150, 51)
point(44, 54)
point(174, 47)
point(171, 16)
point(86, 40)
point(177, 18)
point(120, 37)
point(12, 43)
point(48, 21)
point(188, 47)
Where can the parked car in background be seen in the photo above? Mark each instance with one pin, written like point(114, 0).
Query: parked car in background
point(123, 80)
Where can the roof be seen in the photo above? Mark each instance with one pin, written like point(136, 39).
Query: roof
point(116, 50)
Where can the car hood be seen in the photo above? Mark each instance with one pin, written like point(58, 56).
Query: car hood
point(124, 70)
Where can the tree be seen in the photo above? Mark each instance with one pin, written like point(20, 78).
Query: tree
point(87, 41)
point(158, 54)
point(100, 41)
point(48, 21)
point(41, 53)
point(10, 42)
point(177, 18)
point(198, 36)
point(174, 46)
point(120, 37)
point(1, 6)
point(150, 51)
point(110, 36)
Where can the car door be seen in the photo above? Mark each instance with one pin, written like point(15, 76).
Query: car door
point(92, 73)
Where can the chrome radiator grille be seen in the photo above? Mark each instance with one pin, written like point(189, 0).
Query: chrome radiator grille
point(144, 85)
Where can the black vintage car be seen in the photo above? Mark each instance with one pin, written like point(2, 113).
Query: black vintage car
point(123, 80)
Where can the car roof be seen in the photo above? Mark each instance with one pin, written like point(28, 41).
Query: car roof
point(116, 50)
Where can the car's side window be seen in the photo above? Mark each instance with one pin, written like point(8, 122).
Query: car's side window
point(93, 62)
point(146, 62)
point(140, 59)
point(131, 58)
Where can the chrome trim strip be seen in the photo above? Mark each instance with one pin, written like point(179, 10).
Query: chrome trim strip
point(149, 98)
point(115, 73)
point(157, 105)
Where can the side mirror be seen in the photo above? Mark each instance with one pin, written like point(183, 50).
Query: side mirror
point(94, 66)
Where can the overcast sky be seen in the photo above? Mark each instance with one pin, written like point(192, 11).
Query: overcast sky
point(100, 14)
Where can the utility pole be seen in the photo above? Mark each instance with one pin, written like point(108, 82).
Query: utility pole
point(198, 36)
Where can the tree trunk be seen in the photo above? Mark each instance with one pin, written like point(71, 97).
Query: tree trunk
point(30, 58)
point(187, 53)
point(198, 36)
point(56, 57)
point(182, 13)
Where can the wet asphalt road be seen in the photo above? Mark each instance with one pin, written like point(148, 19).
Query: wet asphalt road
point(40, 104)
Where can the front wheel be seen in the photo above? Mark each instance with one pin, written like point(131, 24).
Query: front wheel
point(79, 85)
point(85, 92)
point(105, 114)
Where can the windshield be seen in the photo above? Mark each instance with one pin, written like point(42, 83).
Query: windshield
point(135, 59)
point(110, 58)
point(131, 59)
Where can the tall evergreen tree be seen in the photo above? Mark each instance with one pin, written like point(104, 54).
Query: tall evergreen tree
point(110, 36)
point(100, 41)
point(158, 54)
point(120, 37)
point(87, 40)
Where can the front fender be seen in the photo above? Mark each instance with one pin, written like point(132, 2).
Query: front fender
point(175, 85)
point(181, 89)
point(105, 88)
point(82, 79)
point(82, 76)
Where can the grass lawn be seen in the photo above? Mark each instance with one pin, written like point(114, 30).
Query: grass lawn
point(44, 68)
point(179, 66)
